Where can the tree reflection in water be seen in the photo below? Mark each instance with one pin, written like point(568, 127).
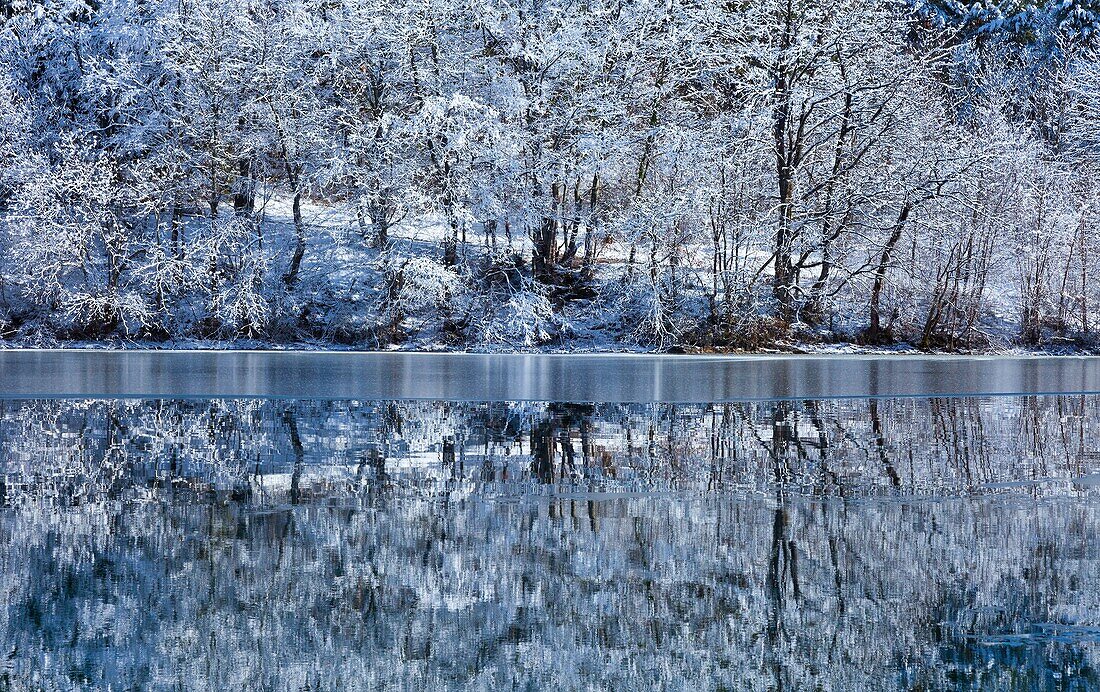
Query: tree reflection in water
point(891, 544)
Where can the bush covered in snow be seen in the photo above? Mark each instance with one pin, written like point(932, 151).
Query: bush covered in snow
point(526, 320)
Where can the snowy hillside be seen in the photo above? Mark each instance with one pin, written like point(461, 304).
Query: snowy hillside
point(550, 174)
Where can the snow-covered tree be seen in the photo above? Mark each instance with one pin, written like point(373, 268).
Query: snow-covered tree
point(661, 172)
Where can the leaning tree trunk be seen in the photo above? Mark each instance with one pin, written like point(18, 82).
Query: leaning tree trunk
point(291, 277)
point(875, 332)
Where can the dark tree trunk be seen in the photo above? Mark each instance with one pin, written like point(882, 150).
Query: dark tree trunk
point(291, 277)
point(544, 255)
point(875, 332)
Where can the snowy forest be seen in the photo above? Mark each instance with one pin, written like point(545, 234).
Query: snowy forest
point(551, 174)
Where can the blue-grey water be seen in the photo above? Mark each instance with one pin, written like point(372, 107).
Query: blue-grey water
point(519, 377)
point(892, 543)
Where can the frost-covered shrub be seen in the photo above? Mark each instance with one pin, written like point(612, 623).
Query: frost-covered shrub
point(69, 235)
point(236, 282)
point(426, 290)
point(125, 311)
point(650, 313)
point(164, 277)
point(244, 308)
point(526, 319)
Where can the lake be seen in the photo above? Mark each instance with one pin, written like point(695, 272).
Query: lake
point(411, 521)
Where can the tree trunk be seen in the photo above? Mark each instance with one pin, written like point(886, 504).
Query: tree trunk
point(785, 165)
point(291, 277)
point(544, 254)
point(875, 333)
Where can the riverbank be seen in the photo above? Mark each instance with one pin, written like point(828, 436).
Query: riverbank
point(1067, 348)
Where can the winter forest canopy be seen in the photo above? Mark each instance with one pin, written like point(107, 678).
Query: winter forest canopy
point(551, 173)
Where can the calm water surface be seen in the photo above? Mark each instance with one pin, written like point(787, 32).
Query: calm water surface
point(856, 544)
point(29, 374)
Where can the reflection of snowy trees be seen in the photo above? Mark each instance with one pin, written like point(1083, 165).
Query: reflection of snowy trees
point(906, 544)
point(264, 451)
